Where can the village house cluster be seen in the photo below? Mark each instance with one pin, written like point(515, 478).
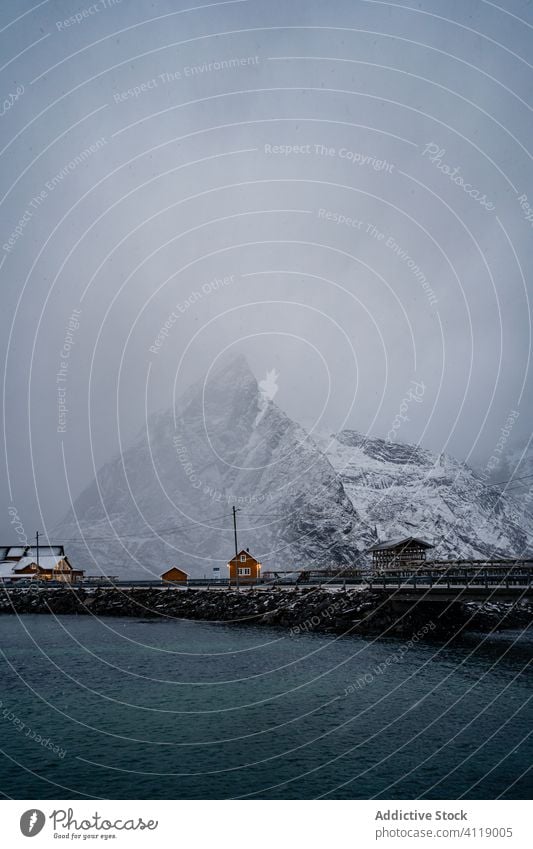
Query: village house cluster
point(400, 554)
point(29, 563)
point(243, 569)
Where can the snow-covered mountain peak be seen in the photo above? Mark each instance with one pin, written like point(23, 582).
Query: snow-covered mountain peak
point(226, 443)
point(381, 450)
point(303, 502)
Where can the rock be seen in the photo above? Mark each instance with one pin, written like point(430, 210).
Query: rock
point(305, 609)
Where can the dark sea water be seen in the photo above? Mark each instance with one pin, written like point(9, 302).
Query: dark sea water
point(188, 710)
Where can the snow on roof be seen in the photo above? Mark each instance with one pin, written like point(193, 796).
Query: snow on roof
point(45, 550)
point(175, 568)
point(243, 551)
point(24, 561)
point(395, 543)
point(31, 550)
point(45, 562)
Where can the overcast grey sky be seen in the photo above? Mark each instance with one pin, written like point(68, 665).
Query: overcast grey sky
point(340, 190)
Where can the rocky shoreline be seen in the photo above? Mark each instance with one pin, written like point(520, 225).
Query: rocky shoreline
point(300, 610)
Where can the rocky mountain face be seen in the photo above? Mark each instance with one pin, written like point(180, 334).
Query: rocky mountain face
point(513, 475)
point(403, 490)
point(167, 499)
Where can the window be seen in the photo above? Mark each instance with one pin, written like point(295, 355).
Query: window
point(243, 558)
point(244, 570)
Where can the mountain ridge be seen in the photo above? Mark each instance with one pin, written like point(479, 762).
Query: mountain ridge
point(302, 502)
point(225, 442)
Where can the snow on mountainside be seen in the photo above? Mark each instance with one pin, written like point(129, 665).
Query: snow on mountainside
point(167, 500)
point(228, 444)
point(404, 490)
point(514, 477)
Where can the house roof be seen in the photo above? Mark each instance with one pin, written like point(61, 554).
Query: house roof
point(46, 550)
point(236, 557)
point(7, 570)
point(174, 568)
point(16, 551)
point(399, 543)
point(31, 550)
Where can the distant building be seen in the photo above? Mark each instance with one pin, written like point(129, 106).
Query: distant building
point(174, 574)
point(7, 573)
point(19, 562)
point(404, 553)
point(244, 569)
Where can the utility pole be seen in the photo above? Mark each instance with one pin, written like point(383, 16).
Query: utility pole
point(37, 547)
point(236, 546)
